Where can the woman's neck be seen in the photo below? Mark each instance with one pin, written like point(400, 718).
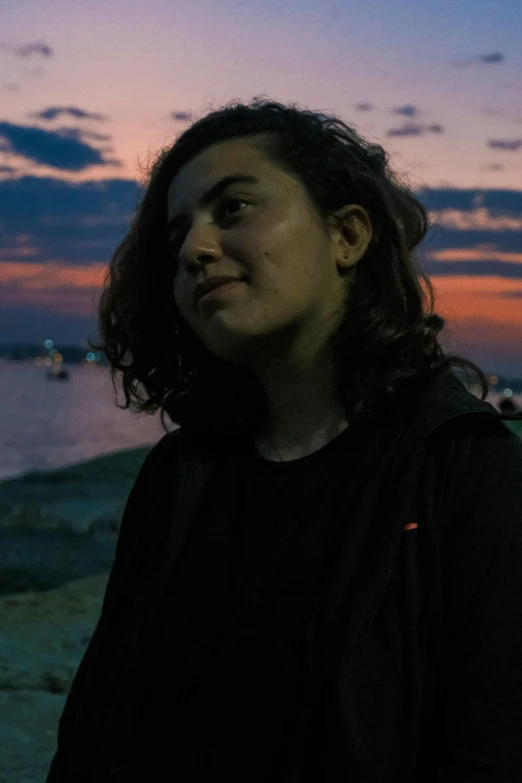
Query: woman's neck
point(301, 445)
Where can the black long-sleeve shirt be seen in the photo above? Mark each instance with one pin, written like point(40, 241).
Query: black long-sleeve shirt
point(352, 615)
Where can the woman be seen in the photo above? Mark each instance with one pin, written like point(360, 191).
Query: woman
point(317, 576)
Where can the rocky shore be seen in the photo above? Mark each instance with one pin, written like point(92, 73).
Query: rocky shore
point(58, 534)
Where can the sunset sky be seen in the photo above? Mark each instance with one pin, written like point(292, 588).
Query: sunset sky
point(90, 92)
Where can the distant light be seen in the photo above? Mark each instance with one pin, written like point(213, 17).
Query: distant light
point(48, 344)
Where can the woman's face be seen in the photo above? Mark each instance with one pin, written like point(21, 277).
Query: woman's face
point(265, 232)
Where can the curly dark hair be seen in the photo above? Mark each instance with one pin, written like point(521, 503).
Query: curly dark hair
point(386, 344)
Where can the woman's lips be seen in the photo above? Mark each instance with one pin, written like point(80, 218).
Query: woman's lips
point(219, 291)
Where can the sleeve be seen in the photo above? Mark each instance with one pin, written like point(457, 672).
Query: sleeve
point(480, 720)
point(90, 678)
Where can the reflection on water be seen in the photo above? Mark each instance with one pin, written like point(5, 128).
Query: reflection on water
point(51, 423)
point(47, 424)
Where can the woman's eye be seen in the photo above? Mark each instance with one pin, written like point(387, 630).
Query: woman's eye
point(176, 243)
point(233, 201)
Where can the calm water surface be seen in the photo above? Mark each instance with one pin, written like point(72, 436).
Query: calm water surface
point(49, 424)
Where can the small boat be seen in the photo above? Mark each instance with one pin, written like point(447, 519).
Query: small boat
point(57, 372)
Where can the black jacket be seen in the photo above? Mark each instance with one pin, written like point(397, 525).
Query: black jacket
point(355, 615)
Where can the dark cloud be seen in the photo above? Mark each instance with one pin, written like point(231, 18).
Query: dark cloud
point(497, 57)
point(61, 149)
point(29, 49)
point(72, 223)
point(415, 129)
point(497, 202)
point(55, 111)
point(78, 223)
point(511, 145)
point(487, 59)
point(407, 111)
point(441, 238)
point(432, 267)
point(181, 116)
